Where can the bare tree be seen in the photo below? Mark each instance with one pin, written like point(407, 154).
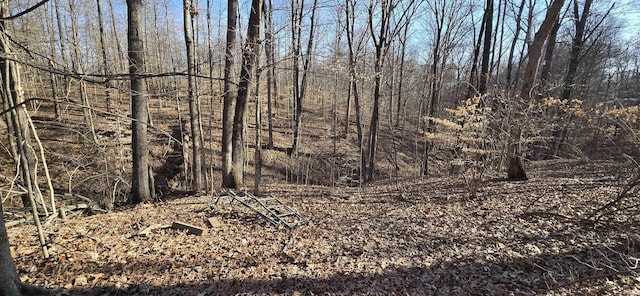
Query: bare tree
point(447, 26)
point(515, 171)
point(580, 22)
point(354, 51)
point(269, 50)
point(18, 122)
point(249, 58)
point(103, 56)
point(194, 101)
point(486, 50)
point(141, 184)
point(227, 108)
point(78, 67)
point(300, 85)
point(514, 42)
point(384, 26)
point(545, 71)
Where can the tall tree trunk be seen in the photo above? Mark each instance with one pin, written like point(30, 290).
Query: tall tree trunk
point(269, 52)
point(548, 56)
point(52, 75)
point(227, 108)
point(63, 48)
point(300, 89)
point(515, 170)
point(78, 67)
point(486, 50)
point(514, 42)
point(527, 40)
point(353, 49)
point(141, 177)
point(400, 95)
point(258, 108)
point(434, 85)
point(194, 104)
point(580, 22)
point(103, 51)
point(473, 75)
point(536, 47)
point(17, 124)
point(249, 57)
point(381, 46)
point(120, 56)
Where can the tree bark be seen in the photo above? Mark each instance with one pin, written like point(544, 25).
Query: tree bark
point(580, 22)
point(227, 107)
point(514, 42)
point(103, 51)
point(353, 50)
point(140, 177)
point(548, 55)
point(17, 121)
point(270, 55)
point(8, 274)
point(515, 170)
point(536, 47)
point(249, 57)
point(78, 67)
point(258, 109)
point(301, 86)
point(486, 50)
point(194, 102)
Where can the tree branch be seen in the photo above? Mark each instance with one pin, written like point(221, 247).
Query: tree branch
point(30, 9)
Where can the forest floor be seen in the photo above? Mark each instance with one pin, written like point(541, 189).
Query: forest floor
point(399, 237)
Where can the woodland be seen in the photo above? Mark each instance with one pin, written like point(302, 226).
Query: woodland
point(267, 147)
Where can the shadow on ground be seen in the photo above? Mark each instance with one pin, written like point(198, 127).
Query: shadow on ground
point(564, 273)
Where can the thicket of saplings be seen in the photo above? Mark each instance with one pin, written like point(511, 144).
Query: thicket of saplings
point(474, 136)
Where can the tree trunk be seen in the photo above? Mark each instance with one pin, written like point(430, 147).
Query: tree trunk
point(140, 177)
point(52, 76)
point(536, 47)
point(580, 22)
point(486, 50)
point(11, 284)
point(473, 75)
point(258, 109)
point(514, 42)
point(350, 19)
point(194, 104)
point(227, 108)
point(17, 122)
point(63, 49)
point(249, 57)
point(515, 170)
point(548, 56)
point(103, 51)
point(77, 66)
point(300, 90)
point(270, 55)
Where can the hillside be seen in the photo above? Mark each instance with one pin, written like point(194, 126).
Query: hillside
point(413, 236)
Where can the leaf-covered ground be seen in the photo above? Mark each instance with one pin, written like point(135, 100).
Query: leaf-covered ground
point(408, 237)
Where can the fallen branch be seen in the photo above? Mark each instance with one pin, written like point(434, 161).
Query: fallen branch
point(147, 231)
point(191, 229)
